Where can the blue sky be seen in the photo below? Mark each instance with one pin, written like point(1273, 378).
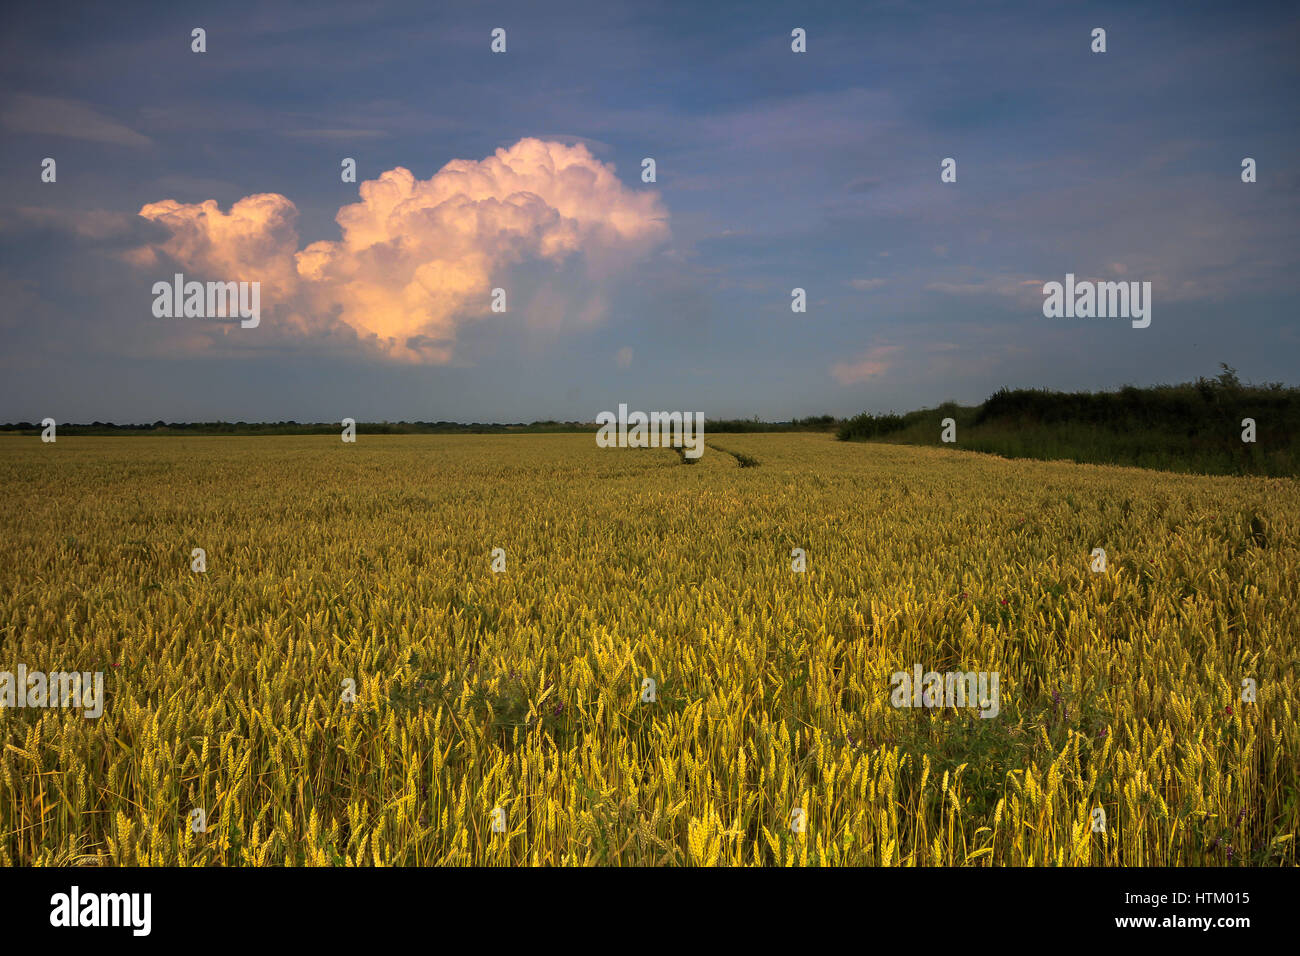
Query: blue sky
point(775, 170)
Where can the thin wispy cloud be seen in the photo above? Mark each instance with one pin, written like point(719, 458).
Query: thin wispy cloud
point(54, 116)
point(330, 135)
point(874, 363)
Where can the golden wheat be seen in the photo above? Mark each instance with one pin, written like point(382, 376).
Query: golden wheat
point(522, 690)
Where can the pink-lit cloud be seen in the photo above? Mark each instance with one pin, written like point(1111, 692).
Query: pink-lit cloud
point(417, 259)
point(871, 364)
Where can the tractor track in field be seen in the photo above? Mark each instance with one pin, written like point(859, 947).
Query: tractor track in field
point(745, 461)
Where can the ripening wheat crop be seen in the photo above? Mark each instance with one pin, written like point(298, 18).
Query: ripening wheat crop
point(503, 718)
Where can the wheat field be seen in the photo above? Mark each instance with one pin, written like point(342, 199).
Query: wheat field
point(501, 717)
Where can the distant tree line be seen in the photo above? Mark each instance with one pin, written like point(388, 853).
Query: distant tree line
point(1195, 426)
point(818, 423)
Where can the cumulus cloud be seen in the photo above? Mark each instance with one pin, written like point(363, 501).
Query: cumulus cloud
point(256, 240)
point(871, 364)
point(419, 258)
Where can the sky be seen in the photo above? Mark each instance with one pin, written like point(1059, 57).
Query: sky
point(522, 171)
